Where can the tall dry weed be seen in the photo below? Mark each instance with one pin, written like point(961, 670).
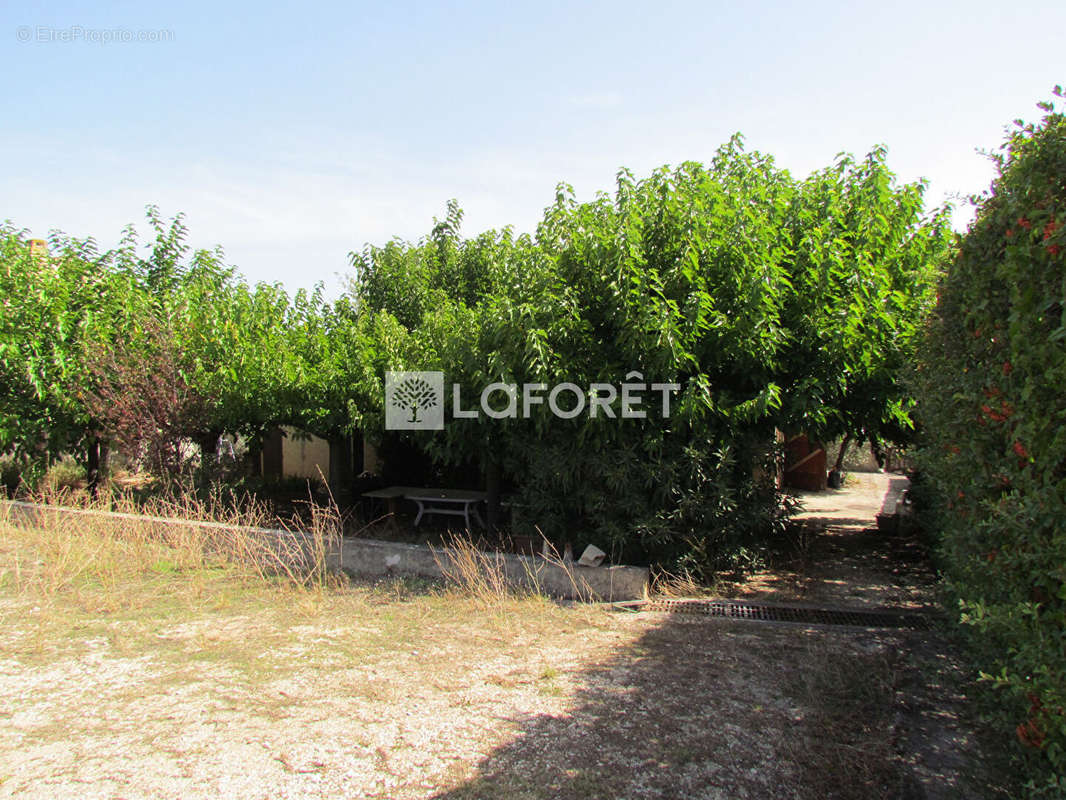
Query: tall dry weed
point(67, 540)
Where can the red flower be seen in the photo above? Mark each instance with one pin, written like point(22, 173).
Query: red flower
point(1010, 232)
point(1053, 249)
point(1029, 733)
point(1023, 222)
point(1007, 368)
point(1049, 229)
point(1020, 451)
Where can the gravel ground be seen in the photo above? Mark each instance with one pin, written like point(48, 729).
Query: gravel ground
point(642, 705)
point(387, 693)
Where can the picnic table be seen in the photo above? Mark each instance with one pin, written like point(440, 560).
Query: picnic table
point(390, 494)
point(456, 502)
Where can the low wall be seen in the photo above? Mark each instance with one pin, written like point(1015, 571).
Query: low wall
point(370, 558)
point(373, 558)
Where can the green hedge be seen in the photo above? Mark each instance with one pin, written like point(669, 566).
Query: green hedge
point(992, 383)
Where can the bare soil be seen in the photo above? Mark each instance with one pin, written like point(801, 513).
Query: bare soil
point(402, 691)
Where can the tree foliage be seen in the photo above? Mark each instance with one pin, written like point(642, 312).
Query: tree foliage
point(53, 302)
point(89, 341)
point(771, 302)
point(991, 383)
point(143, 401)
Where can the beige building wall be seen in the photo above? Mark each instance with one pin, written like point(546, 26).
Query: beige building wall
point(303, 457)
point(371, 462)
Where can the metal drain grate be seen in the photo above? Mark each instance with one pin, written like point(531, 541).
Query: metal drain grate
point(800, 615)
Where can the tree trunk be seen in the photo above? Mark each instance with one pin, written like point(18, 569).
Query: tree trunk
point(840, 456)
point(92, 466)
point(272, 452)
point(340, 469)
point(105, 456)
point(493, 481)
point(836, 476)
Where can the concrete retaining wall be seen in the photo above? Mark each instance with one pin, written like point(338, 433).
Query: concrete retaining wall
point(369, 558)
point(372, 558)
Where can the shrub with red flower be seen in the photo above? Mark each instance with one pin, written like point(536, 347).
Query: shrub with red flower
point(1001, 538)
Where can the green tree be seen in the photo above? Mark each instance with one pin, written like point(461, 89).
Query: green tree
point(231, 342)
point(54, 301)
point(701, 276)
point(865, 258)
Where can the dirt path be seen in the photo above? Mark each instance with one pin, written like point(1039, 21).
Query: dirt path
point(846, 560)
point(848, 563)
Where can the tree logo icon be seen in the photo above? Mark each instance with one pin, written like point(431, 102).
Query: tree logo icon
point(414, 394)
point(414, 401)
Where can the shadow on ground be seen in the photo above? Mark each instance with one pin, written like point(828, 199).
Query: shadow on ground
point(723, 709)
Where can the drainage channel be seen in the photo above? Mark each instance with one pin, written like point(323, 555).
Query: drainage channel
point(795, 614)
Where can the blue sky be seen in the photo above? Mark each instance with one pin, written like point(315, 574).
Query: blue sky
point(292, 136)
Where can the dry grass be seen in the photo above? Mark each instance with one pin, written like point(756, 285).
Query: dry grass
point(124, 577)
point(113, 544)
point(134, 664)
point(473, 571)
point(483, 575)
point(851, 704)
point(668, 584)
point(152, 673)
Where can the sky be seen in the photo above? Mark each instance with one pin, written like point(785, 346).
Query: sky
point(292, 136)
